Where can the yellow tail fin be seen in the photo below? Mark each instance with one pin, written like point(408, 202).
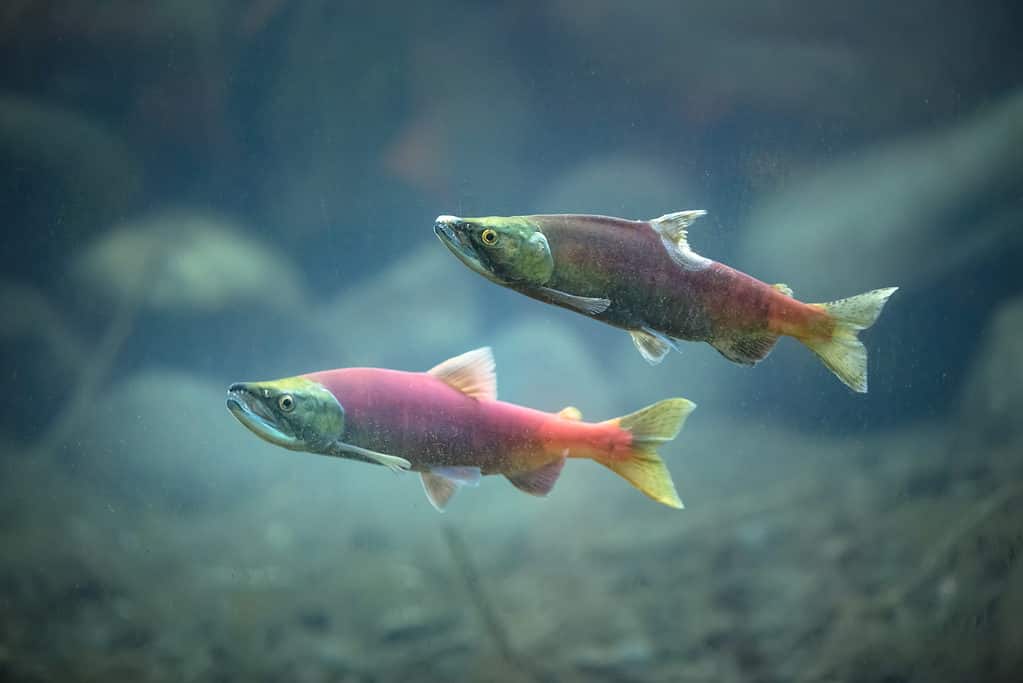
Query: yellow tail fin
point(651, 427)
point(843, 352)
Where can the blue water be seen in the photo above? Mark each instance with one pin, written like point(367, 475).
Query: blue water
point(201, 193)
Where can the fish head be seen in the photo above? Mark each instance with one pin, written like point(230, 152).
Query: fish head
point(504, 249)
point(296, 412)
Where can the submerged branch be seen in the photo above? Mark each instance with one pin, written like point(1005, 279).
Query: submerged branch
point(495, 627)
point(848, 621)
point(95, 371)
point(941, 550)
point(91, 378)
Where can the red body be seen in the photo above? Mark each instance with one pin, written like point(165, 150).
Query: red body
point(419, 417)
point(738, 303)
point(627, 262)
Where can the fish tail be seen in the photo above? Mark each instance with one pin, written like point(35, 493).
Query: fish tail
point(642, 465)
point(840, 349)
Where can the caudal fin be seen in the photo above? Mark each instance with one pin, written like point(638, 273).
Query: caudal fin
point(651, 427)
point(843, 352)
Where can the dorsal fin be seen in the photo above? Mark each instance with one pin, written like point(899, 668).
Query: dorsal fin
point(570, 413)
point(472, 373)
point(674, 226)
point(672, 229)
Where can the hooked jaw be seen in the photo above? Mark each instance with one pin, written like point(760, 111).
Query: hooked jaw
point(511, 251)
point(245, 401)
point(451, 231)
point(297, 413)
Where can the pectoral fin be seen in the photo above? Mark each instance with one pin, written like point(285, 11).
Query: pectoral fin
point(391, 462)
point(652, 345)
point(584, 304)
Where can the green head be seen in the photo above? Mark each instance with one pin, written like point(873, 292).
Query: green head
point(295, 412)
point(506, 250)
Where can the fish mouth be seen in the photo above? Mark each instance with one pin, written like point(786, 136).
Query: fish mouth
point(450, 231)
point(247, 406)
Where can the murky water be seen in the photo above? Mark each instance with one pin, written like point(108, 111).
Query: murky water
point(203, 193)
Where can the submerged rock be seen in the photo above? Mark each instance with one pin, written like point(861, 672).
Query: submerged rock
point(416, 312)
point(85, 172)
point(29, 315)
point(471, 116)
point(857, 221)
point(166, 439)
point(38, 350)
point(994, 391)
point(314, 131)
point(792, 56)
point(545, 363)
point(414, 622)
point(618, 659)
point(184, 261)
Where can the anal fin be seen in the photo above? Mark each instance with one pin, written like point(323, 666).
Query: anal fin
point(746, 349)
point(538, 482)
point(462, 476)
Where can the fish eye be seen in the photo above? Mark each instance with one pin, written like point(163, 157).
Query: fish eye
point(489, 237)
point(286, 403)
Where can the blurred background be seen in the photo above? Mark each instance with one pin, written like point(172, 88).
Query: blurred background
point(196, 193)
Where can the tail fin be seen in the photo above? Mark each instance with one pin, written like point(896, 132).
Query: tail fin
point(843, 352)
point(651, 427)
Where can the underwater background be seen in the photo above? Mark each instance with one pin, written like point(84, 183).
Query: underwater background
point(197, 193)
